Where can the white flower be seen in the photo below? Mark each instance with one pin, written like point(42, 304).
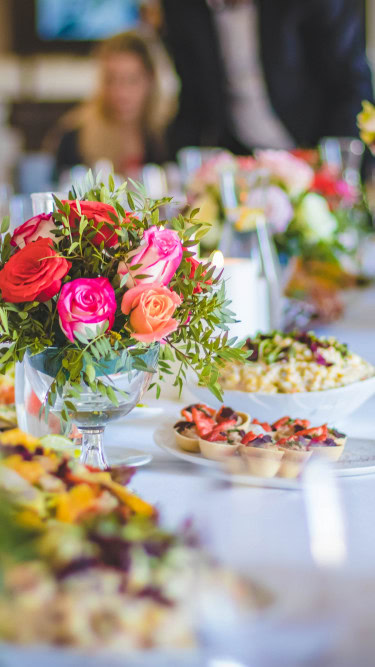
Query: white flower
point(314, 216)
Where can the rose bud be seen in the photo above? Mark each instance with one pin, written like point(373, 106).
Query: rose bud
point(84, 304)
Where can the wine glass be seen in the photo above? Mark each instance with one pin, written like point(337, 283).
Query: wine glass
point(43, 202)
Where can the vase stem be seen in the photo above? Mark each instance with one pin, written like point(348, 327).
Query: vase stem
point(92, 451)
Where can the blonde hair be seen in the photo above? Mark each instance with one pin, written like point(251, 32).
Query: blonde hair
point(98, 135)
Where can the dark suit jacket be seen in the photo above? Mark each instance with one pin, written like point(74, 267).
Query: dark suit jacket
point(314, 62)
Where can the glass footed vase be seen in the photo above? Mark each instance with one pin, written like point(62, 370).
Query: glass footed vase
point(93, 410)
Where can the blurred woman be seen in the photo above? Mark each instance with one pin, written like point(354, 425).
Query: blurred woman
point(125, 121)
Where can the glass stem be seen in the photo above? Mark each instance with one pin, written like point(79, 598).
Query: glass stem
point(92, 451)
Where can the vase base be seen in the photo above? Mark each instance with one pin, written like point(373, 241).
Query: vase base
point(132, 458)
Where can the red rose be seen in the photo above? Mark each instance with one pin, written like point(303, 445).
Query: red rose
point(100, 215)
point(34, 273)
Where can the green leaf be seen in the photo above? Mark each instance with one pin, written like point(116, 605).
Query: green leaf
point(112, 396)
point(90, 372)
point(5, 224)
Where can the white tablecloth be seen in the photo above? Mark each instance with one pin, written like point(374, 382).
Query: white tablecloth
point(319, 618)
point(252, 526)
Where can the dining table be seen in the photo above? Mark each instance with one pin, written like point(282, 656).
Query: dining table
point(276, 527)
point(324, 611)
point(265, 532)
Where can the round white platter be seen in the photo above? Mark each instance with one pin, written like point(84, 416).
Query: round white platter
point(329, 405)
point(358, 459)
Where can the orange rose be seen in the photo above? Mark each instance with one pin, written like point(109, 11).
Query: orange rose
point(151, 307)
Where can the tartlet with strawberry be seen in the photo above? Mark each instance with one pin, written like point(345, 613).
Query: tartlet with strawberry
point(259, 451)
point(297, 435)
point(263, 449)
point(202, 424)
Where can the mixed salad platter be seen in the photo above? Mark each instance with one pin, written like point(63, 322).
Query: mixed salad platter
point(293, 363)
point(85, 563)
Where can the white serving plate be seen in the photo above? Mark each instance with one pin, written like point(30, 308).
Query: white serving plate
point(330, 405)
point(12, 655)
point(144, 412)
point(358, 459)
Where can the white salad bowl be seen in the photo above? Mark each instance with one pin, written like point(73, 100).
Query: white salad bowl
point(327, 406)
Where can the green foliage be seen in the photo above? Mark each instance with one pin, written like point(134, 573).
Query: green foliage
point(201, 341)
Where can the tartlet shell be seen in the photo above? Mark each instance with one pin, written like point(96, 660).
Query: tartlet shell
point(187, 444)
point(245, 419)
point(293, 462)
point(331, 453)
point(216, 451)
point(262, 462)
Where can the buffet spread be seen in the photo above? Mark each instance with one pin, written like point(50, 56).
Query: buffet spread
point(127, 303)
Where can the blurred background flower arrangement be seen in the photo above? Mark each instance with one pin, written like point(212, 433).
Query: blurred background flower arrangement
point(318, 216)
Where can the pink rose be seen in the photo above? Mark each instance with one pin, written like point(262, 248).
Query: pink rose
point(292, 172)
point(38, 227)
point(160, 255)
point(276, 204)
point(84, 304)
point(151, 307)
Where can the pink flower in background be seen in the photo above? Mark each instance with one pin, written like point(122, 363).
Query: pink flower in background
point(292, 172)
point(209, 173)
point(246, 163)
point(84, 304)
point(276, 205)
point(151, 307)
point(160, 255)
point(38, 227)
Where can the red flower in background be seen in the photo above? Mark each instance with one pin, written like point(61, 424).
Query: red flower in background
point(310, 155)
point(335, 189)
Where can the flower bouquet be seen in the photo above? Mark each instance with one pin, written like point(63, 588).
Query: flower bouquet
point(317, 219)
point(102, 295)
point(311, 210)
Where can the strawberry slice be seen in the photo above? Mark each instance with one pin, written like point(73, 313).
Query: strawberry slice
point(280, 422)
point(301, 422)
point(220, 430)
point(227, 424)
point(315, 430)
point(187, 414)
point(264, 425)
point(249, 437)
point(216, 436)
point(203, 423)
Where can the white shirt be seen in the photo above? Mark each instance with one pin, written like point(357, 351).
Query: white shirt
point(255, 122)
